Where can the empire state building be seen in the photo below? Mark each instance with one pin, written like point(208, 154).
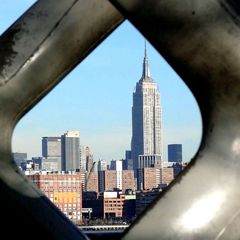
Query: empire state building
point(146, 144)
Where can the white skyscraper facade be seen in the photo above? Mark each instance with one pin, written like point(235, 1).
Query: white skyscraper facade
point(117, 166)
point(146, 144)
point(83, 157)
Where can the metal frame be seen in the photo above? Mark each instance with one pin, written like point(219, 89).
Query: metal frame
point(199, 39)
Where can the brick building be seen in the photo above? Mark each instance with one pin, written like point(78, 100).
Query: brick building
point(108, 180)
point(64, 190)
point(92, 182)
point(112, 205)
point(149, 178)
point(167, 175)
point(117, 205)
point(128, 181)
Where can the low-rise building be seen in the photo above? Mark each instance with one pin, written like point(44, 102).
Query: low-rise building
point(112, 205)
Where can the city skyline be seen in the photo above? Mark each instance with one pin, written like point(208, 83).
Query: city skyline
point(97, 96)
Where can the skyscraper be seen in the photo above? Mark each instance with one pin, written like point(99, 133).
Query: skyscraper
point(117, 165)
point(102, 165)
point(146, 144)
point(70, 150)
point(51, 152)
point(175, 153)
point(82, 156)
point(51, 147)
point(89, 160)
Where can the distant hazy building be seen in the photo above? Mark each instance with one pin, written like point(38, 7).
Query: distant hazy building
point(92, 182)
point(51, 152)
point(37, 160)
point(102, 165)
point(19, 158)
point(175, 153)
point(146, 119)
point(89, 160)
point(82, 157)
point(29, 166)
point(128, 154)
point(101, 181)
point(127, 162)
point(51, 147)
point(70, 150)
point(51, 164)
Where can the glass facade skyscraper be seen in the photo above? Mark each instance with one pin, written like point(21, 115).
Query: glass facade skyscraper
point(175, 153)
point(70, 151)
point(146, 144)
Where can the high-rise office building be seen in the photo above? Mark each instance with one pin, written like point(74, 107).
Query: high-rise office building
point(51, 147)
point(82, 157)
point(90, 165)
point(128, 162)
point(146, 145)
point(70, 150)
point(175, 153)
point(51, 152)
point(102, 165)
point(117, 165)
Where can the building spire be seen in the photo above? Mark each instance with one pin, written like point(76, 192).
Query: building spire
point(146, 71)
point(145, 50)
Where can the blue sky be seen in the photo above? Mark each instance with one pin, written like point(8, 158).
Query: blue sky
point(96, 98)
